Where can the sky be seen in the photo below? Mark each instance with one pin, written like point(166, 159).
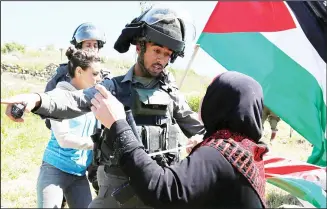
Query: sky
point(41, 23)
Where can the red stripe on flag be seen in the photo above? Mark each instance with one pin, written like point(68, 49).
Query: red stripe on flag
point(249, 16)
point(271, 159)
point(282, 170)
point(280, 167)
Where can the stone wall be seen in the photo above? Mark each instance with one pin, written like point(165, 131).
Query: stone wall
point(44, 74)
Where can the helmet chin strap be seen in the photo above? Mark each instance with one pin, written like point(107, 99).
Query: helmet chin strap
point(140, 60)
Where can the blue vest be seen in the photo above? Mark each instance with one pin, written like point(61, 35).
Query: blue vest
point(69, 160)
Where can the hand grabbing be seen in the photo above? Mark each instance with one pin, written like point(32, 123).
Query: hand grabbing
point(106, 108)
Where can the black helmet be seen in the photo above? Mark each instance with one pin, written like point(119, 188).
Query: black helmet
point(88, 31)
point(160, 25)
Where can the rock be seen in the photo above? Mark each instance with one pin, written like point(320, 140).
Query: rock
point(43, 75)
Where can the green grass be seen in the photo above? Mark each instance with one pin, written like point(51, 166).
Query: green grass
point(22, 144)
point(277, 197)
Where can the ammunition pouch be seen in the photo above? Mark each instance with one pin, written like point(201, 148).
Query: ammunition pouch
point(152, 102)
point(155, 125)
point(157, 129)
point(107, 151)
point(102, 151)
point(97, 141)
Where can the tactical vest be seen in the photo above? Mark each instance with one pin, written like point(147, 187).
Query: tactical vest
point(153, 114)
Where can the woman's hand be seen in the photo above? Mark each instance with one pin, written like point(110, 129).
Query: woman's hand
point(194, 140)
point(30, 101)
point(106, 108)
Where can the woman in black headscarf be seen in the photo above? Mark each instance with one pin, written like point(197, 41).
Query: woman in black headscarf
point(224, 171)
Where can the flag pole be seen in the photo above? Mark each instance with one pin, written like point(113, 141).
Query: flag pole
point(196, 48)
point(291, 131)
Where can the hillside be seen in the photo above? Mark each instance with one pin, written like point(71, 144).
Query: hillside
point(37, 60)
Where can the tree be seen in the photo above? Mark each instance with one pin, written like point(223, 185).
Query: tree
point(12, 47)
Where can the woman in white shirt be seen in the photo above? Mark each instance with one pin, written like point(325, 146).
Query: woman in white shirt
point(69, 151)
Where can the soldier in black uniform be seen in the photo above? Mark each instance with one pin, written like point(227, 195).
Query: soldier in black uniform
point(86, 36)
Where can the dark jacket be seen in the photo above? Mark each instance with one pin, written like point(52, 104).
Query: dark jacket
point(205, 179)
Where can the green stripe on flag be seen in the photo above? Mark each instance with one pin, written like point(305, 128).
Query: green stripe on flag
point(302, 189)
point(289, 90)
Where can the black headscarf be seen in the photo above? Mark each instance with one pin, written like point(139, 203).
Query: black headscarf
point(233, 101)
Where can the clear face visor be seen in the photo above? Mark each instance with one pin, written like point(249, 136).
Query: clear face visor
point(160, 12)
point(89, 33)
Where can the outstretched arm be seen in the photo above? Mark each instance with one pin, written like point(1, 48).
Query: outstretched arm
point(61, 104)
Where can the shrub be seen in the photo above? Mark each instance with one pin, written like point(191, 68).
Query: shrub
point(12, 47)
point(194, 102)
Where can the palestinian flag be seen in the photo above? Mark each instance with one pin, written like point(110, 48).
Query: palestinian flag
point(282, 45)
point(303, 180)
